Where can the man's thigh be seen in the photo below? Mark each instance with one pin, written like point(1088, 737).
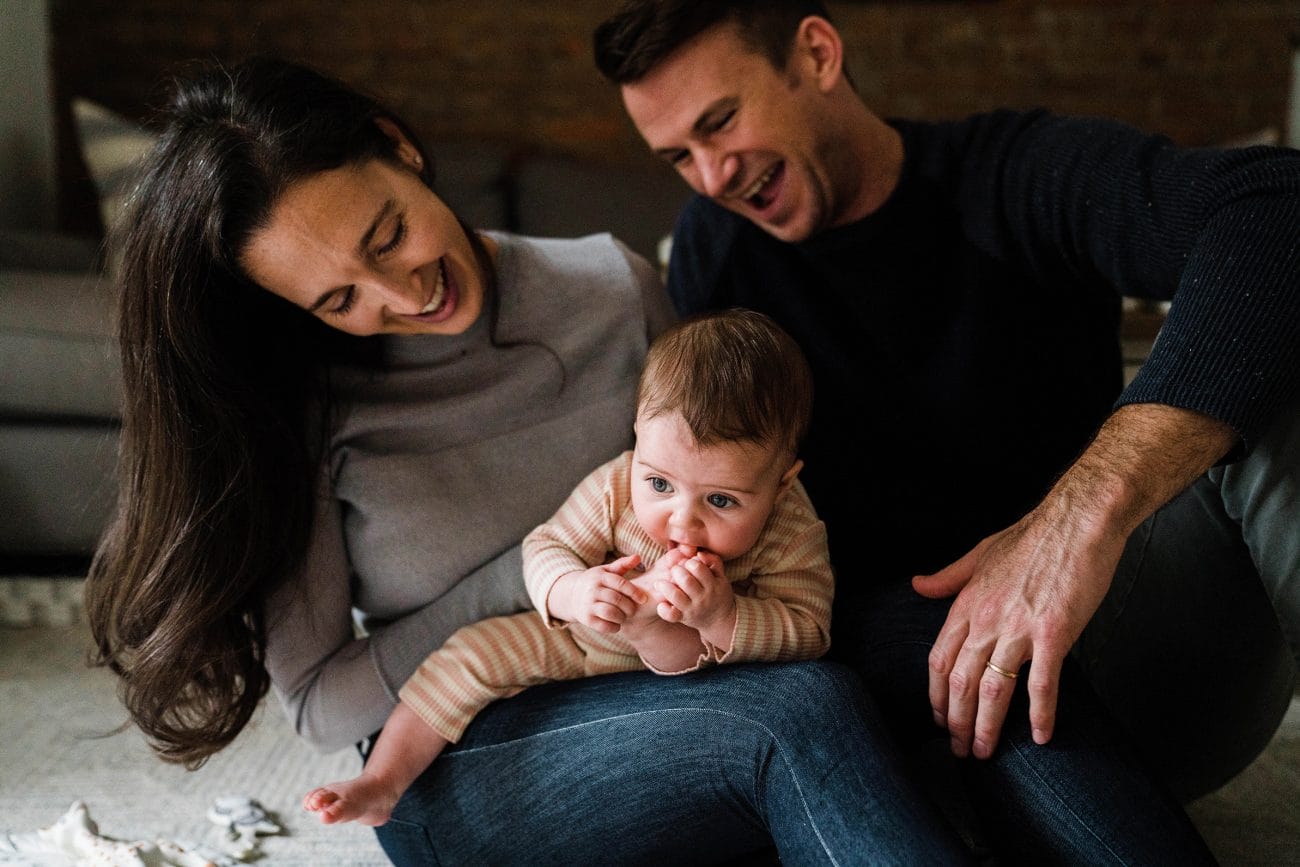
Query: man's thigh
point(1186, 648)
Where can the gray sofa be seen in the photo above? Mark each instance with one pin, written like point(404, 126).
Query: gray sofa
point(59, 382)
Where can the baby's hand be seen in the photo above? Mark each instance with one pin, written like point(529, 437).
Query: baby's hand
point(696, 593)
point(364, 799)
point(601, 597)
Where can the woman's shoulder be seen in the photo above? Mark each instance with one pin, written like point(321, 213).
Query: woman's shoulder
point(593, 263)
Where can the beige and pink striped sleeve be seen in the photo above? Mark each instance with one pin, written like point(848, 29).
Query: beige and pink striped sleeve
point(786, 613)
point(580, 534)
point(485, 661)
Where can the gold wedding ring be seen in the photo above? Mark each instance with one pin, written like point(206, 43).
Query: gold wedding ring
point(1000, 670)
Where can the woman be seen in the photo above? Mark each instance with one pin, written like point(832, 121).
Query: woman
point(339, 397)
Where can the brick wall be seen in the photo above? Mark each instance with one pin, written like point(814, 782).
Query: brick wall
point(519, 71)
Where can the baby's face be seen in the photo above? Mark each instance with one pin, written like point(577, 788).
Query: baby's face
point(715, 497)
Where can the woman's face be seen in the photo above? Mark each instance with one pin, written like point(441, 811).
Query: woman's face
point(370, 249)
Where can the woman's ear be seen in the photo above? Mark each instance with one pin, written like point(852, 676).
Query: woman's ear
point(407, 152)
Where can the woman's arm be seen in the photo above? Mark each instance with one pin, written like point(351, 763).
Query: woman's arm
point(336, 686)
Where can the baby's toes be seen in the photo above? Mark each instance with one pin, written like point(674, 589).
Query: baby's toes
point(319, 799)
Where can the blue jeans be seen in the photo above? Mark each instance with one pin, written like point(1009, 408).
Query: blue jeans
point(1195, 647)
point(1083, 798)
point(639, 769)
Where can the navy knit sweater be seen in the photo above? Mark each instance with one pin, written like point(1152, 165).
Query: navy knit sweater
point(964, 338)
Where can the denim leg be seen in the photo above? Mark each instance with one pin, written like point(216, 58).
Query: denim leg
point(1187, 649)
point(638, 769)
point(1261, 493)
point(1082, 798)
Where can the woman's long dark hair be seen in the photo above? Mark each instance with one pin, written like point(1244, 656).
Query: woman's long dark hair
point(225, 413)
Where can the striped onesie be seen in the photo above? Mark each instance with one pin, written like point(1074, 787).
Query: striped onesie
point(783, 587)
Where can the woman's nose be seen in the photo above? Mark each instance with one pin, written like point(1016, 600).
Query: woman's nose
point(401, 292)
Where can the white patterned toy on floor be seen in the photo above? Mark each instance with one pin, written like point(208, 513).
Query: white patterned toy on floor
point(76, 837)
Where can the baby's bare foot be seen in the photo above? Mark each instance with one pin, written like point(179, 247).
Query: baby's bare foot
point(364, 799)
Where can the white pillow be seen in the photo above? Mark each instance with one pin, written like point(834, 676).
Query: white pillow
point(112, 147)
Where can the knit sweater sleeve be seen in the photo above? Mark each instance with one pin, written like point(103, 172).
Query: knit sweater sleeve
point(1082, 201)
point(580, 534)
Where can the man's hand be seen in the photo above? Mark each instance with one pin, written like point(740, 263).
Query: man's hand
point(1026, 593)
point(602, 597)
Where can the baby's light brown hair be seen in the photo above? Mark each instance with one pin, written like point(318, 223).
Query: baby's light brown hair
point(733, 375)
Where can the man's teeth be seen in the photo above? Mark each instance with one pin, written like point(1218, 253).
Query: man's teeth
point(759, 184)
point(438, 292)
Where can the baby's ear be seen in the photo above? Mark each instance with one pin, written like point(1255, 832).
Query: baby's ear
point(788, 477)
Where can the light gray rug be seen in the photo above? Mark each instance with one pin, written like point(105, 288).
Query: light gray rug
point(52, 709)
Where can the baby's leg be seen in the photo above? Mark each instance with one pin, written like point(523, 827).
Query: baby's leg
point(406, 747)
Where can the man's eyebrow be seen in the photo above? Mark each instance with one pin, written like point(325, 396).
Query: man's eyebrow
point(367, 238)
point(702, 124)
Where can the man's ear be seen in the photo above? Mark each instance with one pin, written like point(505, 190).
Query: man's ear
point(407, 152)
point(788, 477)
point(819, 44)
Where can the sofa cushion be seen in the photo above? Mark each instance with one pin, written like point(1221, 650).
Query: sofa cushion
point(471, 178)
point(58, 357)
point(564, 197)
point(58, 484)
point(26, 250)
point(112, 147)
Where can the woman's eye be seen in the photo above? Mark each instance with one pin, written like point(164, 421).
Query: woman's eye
point(721, 501)
point(342, 308)
point(399, 232)
point(659, 485)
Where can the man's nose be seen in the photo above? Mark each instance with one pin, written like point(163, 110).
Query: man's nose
point(716, 173)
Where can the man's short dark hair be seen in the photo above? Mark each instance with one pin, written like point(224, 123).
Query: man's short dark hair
point(637, 38)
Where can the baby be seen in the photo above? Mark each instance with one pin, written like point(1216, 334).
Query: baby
point(709, 497)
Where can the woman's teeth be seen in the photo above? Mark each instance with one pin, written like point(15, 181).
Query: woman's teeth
point(439, 291)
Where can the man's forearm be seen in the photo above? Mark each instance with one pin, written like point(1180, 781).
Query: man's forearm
point(1143, 456)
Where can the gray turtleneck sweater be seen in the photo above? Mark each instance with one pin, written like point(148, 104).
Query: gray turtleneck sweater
point(443, 460)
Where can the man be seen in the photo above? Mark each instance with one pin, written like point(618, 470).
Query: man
point(956, 288)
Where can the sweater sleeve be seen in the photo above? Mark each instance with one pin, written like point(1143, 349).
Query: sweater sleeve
point(1214, 231)
point(786, 614)
point(337, 686)
point(580, 535)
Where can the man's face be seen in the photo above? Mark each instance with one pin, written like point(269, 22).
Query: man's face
point(753, 138)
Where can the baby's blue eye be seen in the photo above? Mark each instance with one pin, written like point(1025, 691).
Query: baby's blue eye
point(660, 486)
point(720, 501)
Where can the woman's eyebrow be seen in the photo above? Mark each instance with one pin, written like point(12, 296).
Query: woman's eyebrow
point(367, 238)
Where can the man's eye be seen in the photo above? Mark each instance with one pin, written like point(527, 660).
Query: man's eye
point(679, 158)
point(720, 501)
point(659, 485)
point(721, 122)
